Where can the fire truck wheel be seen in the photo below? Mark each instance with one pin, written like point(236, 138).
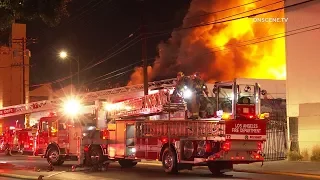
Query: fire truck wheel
point(169, 161)
point(217, 167)
point(54, 158)
point(125, 163)
point(96, 156)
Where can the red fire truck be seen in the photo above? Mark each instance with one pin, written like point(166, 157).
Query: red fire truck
point(57, 135)
point(17, 140)
point(234, 136)
point(57, 138)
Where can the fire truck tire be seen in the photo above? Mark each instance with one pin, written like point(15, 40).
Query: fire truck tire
point(216, 168)
point(54, 158)
point(169, 161)
point(125, 163)
point(95, 155)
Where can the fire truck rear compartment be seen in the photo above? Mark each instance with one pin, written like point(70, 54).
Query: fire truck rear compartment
point(202, 153)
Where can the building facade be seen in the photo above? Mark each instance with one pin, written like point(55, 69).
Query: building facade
point(14, 73)
point(303, 74)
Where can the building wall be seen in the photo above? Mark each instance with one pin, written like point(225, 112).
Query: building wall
point(303, 86)
point(11, 79)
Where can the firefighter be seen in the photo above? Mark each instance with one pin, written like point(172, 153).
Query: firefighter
point(201, 90)
point(182, 82)
point(185, 92)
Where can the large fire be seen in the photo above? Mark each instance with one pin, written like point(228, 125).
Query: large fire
point(227, 50)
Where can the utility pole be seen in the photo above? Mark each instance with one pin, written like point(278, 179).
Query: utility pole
point(23, 71)
point(71, 78)
point(24, 42)
point(25, 87)
point(144, 49)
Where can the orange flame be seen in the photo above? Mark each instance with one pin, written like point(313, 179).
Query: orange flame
point(224, 51)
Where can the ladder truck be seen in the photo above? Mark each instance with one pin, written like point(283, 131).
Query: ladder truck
point(57, 133)
point(235, 135)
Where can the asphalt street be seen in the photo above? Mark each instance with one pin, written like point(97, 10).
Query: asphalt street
point(141, 171)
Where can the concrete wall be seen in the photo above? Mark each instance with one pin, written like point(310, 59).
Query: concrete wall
point(303, 74)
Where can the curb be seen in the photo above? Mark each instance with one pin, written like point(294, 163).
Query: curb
point(314, 176)
point(18, 176)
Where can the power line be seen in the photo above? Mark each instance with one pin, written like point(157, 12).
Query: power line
point(242, 17)
point(149, 59)
point(313, 27)
point(118, 74)
point(133, 43)
point(219, 20)
point(206, 14)
point(195, 26)
point(223, 10)
point(127, 37)
point(261, 41)
point(62, 79)
point(112, 55)
point(92, 80)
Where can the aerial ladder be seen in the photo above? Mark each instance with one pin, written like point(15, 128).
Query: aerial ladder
point(48, 105)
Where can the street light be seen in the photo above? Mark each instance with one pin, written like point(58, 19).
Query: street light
point(64, 55)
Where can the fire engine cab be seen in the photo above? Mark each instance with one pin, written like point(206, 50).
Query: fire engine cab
point(234, 136)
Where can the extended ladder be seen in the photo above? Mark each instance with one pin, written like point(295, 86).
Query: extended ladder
point(148, 105)
point(87, 97)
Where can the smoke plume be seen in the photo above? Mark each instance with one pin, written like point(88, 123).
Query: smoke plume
point(223, 51)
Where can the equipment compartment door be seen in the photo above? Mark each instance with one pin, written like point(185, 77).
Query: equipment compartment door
point(130, 140)
point(74, 133)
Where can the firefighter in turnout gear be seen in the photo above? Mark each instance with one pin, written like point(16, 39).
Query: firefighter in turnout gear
point(185, 92)
point(201, 91)
point(182, 83)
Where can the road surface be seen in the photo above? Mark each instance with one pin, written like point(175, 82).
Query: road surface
point(141, 171)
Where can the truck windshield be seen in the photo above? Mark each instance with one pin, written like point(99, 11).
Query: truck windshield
point(246, 94)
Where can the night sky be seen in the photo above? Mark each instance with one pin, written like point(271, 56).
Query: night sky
point(95, 26)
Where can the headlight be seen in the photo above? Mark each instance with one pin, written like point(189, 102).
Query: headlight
point(188, 149)
point(131, 152)
point(187, 93)
point(84, 134)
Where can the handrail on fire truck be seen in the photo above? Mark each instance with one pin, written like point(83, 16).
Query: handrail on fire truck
point(87, 97)
point(180, 128)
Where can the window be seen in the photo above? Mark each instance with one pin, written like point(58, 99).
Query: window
point(62, 126)
point(44, 126)
point(246, 94)
point(225, 97)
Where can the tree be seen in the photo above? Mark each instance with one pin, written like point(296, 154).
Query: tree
point(49, 11)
